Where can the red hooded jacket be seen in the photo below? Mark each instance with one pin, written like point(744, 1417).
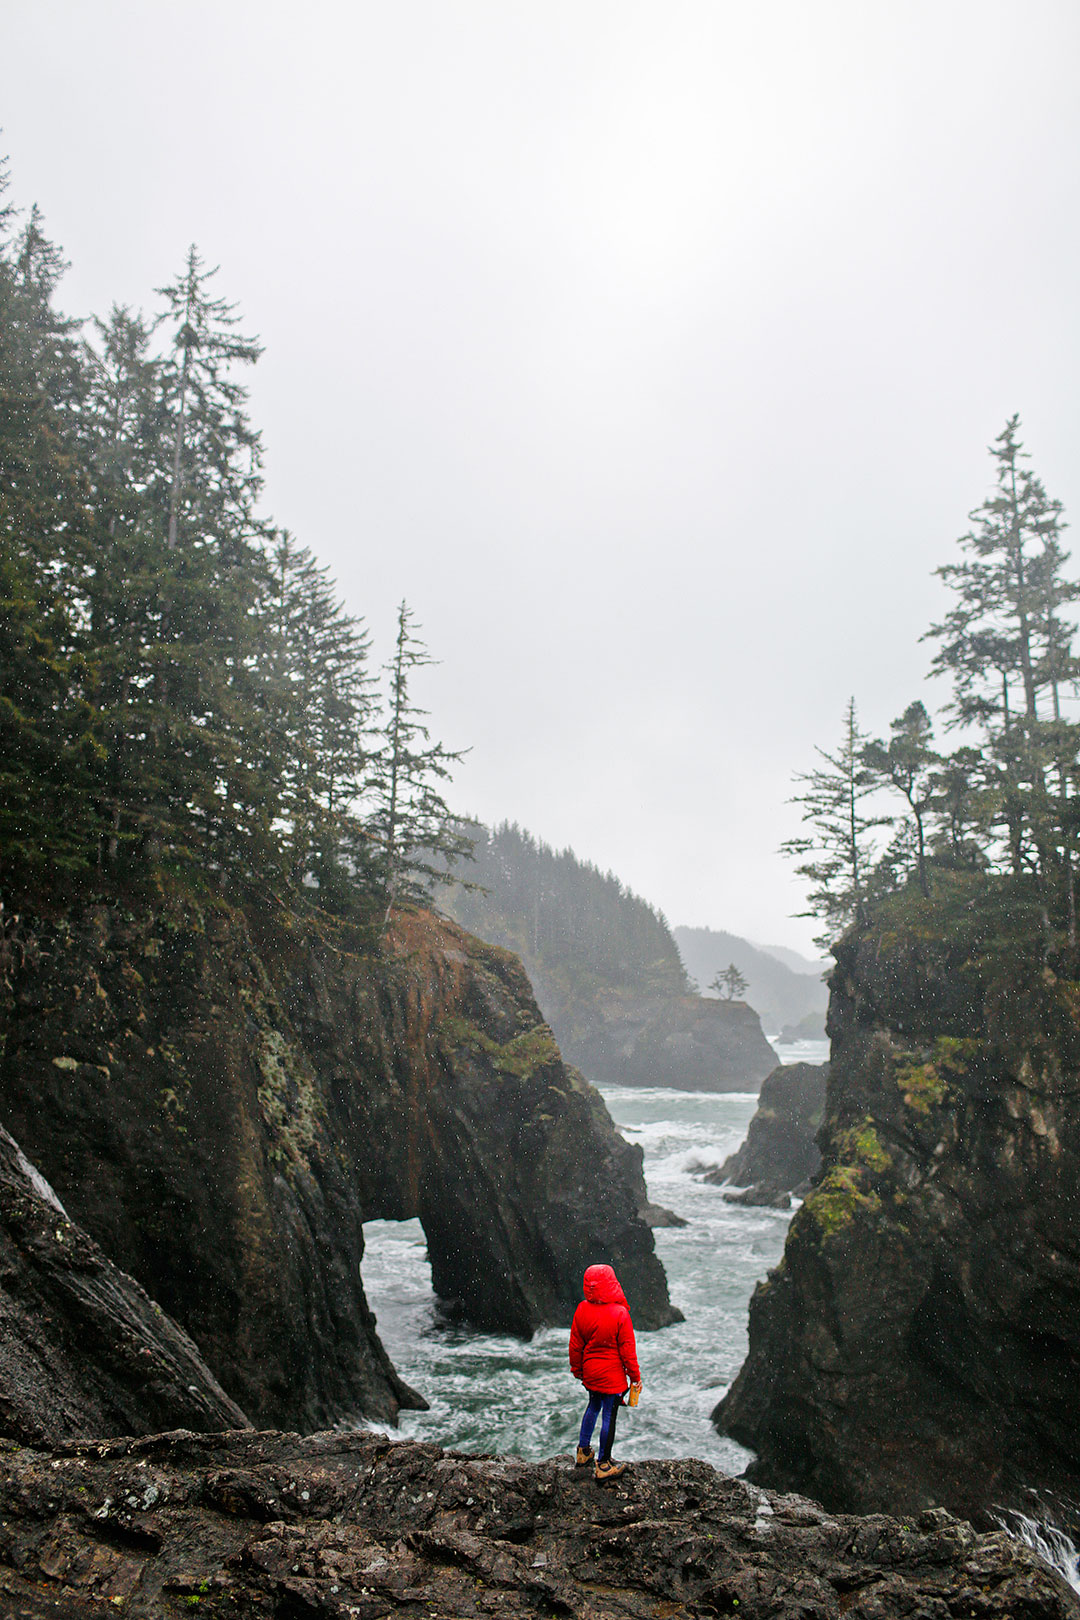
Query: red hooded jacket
point(602, 1349)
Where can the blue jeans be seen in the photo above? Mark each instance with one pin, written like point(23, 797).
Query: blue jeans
point(607, 1408)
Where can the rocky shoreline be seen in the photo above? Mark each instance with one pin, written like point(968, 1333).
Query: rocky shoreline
point(355, 1527)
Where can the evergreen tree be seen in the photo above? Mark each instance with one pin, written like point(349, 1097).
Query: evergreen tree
point(414, 837)
point(730, 984)
point(214, 475)
point(179, 694)
point(837, 855)
point(908, 763)
point(121, 423)
point(1007, 649)
point(963, 805)
point(178, 684)
point(1003, 642)
point(322, 701)
point(47, 758)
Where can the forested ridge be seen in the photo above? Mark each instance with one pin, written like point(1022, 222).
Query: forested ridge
point(182, 689)
point(583, 926)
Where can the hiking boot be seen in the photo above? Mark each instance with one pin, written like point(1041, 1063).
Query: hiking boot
point(609, 1470)
point(584, 1458)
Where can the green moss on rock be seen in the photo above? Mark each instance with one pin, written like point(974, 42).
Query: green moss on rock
point(836, 1201)
point(846, 1188)
point(920, 1078)
point(523, 1056)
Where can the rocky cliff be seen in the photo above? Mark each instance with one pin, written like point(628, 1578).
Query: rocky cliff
point(83, 1350)
point(340, 1526)
point(222, 1097)
point(693, 1043)
point(920, 1341)
point(784, 993)
point(780, 1153)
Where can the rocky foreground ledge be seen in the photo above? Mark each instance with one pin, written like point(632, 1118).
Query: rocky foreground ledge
point(353, 1525)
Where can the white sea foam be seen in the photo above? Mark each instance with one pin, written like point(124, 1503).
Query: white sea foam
point(1053, 1546)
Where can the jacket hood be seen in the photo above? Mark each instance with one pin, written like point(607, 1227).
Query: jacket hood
point(602, 1287)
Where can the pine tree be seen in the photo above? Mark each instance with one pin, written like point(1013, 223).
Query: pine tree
point(907, 763)
point(181, 691)
point(47, 759)
point(214, 476)
point(179, 686)
point(1008, 651)
point(121, 422)
point(964, 803)
point(839, 848)
point(316, 660)
point(415, 840)
point(1002, 641)
point(730, 984)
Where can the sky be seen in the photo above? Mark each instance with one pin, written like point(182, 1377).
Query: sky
point(651, 352)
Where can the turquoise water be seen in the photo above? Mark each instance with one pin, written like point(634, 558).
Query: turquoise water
point(489, 1392)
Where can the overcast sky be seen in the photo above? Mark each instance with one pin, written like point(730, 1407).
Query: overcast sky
point(650, 351)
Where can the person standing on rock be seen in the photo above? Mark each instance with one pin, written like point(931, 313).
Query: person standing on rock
point(603, 1356)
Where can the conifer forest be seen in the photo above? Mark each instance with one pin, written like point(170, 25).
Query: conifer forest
point(183, 690)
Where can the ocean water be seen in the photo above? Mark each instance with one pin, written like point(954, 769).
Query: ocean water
point(494, 1393)
point(491, 1392)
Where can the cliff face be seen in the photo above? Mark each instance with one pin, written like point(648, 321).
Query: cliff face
point(782, 994)
point(83, 1350)
point(692, 1043)
point(780, 1153)
point(222, 1099)
point(920, 1341)
point(349, 1525)
point(606, 971)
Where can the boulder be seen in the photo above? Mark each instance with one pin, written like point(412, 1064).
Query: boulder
point(780, 1154)
point(83, 1350)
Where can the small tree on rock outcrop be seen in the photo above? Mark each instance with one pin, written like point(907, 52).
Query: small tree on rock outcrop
point(730, 984)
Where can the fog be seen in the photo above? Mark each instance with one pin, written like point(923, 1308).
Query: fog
point(651, 352)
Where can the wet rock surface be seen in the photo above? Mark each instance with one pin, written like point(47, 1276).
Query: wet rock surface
point(349, 1526)
point(920, 1341)
point(780, 1154)
point(221, 1098)
point(692, 1043)
point(83, 1350)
